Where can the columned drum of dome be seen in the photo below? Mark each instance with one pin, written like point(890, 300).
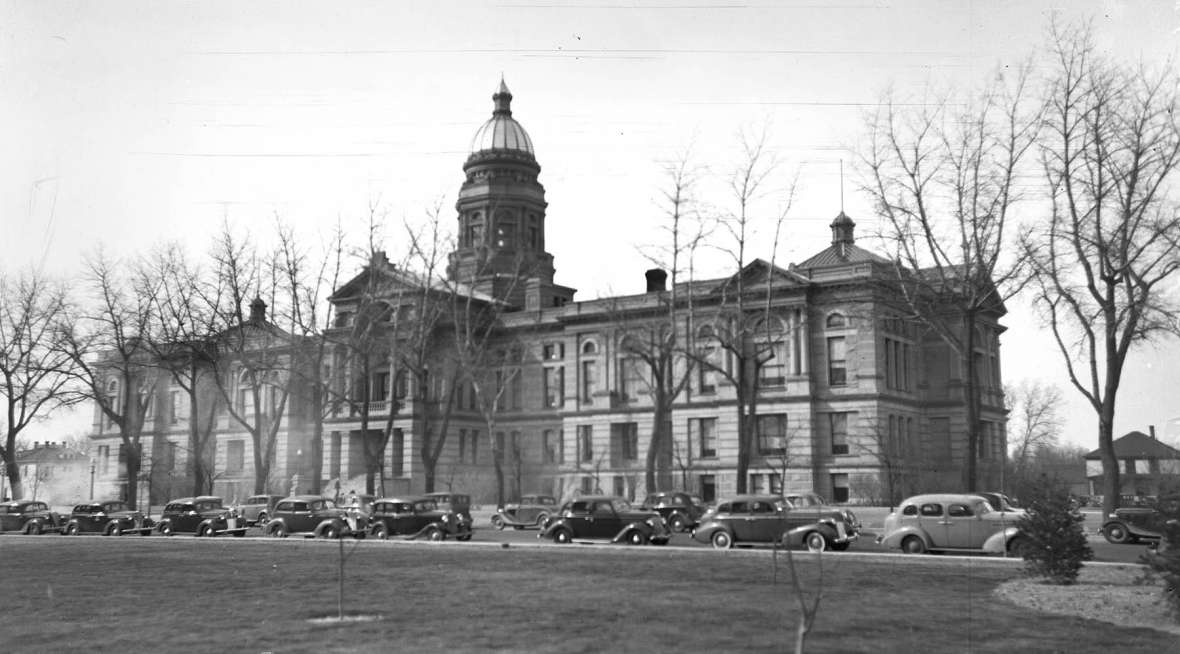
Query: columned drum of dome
point(501, 211)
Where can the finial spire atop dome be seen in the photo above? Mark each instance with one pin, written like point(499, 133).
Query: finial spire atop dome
point(842, 230)
point(503, 100)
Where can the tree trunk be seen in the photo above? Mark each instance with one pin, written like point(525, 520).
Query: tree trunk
point(13, 475)
point(1111, 483)
point(134, 465)
point(971, 400)
point(195, 446)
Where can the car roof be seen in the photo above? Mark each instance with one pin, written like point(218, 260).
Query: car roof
point(583, 498)
point(751, 497)
point(943, 497)
point(306, 498)
point(403, 498)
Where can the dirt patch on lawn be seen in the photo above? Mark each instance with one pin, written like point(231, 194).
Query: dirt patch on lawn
point(1107, 593)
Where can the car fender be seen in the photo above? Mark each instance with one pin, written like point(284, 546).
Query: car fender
point(704, 533)
point(635, 525)
point(554, 524)
point(997, 543)
point(340, 526)
point(273, 524)
point(425, 528)
point(894, 538)
point(795, 536)
point(208, 523)
point(512, 521)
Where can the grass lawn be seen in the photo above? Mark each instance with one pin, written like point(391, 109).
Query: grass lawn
point(253, 595)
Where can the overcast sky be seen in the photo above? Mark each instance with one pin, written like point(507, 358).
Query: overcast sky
point(132, 123)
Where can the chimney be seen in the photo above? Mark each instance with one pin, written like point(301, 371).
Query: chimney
point(257, 311)
point(1151, 430)
point(657, 280)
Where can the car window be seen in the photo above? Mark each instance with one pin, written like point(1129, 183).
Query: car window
point(909, 509)
point(426, 505)
point(678, 500)
point(739, 507)
point(299, 506)
point(603, 508)
point(115, 506)
point(781, 505)
point(209, 505)
point(696, 501)
point(959, 511)
point(580, 507)
point(930, 510)
point(37, 506)
point(547, 500)
point(724, 508)
point(621, 505)
point(761, 507)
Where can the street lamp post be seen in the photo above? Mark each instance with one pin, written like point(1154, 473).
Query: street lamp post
point(92, 480)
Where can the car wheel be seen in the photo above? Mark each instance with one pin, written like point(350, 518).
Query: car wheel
point(72, 530)
point(330, 532)
point(677, 523)
point(114, 530)
point(563, 536)
point(721, 540)
point(913, 545)
point(166, 529)
point(434, 533)
point(207, 531)
point(498, 521)
point(541, 518)
point(33, 528)
point(815, 542)
point(1117, 533)
point(381, 532)
point(1019, 546)
point(277, 530)
point(636, 537)
point(262, 519)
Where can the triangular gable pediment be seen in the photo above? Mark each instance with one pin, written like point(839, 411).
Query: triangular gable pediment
point(757, 275)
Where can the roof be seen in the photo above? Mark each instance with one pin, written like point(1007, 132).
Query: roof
point(1137, 445)
point(502, 132)
point(839, 254)
point(943, 497)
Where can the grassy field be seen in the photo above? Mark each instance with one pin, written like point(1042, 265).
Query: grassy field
point(251, 595)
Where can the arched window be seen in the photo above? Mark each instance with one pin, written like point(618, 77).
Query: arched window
point(705, 332)
point(837, 321)
point(589, 347)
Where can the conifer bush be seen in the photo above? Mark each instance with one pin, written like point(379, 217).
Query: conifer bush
point(1164, 560)
point(1053, 535)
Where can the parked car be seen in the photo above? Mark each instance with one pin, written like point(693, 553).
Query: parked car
point(604, 517)
point(29, 517)
point(314, 516)
point(458, 502)
point(200, 516)
point(109, 518)
point(416, 517)
point(791, 520)
point(1131, 524)
point(530, 511)
point(682, 511)
point(951, 522)
point(256, 509)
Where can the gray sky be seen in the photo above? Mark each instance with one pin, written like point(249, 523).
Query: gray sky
point(131, 123)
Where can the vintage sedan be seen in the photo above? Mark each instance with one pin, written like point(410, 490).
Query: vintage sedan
point(314, 516)
point(1131, 524)
point(791, 520)
point(682, 511)
point(256, 509)
point(530, 511)
point(603, 517)
point(29, 517)
point(200, 516)
point(416, 517)
point(457, 502)
point(109, 518)
point(951, 522)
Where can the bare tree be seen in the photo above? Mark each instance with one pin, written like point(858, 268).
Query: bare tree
point(944, 178)
point(1104, 263)
point(108, 344)
point(36, 373)
point(1033, 421)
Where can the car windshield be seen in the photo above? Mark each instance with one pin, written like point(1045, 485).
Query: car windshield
point(425, 505)
point(696, 500)
point(621, 505)
point(35, 506)
point(209, 505)
point(257, 499)
point(320, 505)
point(799, 501)
point(114, 506)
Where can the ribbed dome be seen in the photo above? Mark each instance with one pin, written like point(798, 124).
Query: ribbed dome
point(502, 132)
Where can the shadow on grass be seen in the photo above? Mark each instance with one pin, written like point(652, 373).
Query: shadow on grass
point(154, 594)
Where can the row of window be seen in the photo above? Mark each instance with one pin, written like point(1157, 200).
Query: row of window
point(503, 231)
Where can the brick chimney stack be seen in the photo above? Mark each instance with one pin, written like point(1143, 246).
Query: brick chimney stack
point(1151, 430)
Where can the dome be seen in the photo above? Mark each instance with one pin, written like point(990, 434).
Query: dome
point(502, 132)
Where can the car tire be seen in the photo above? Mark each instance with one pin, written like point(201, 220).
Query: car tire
point(278, 530)
point(636, 537)
point(1018, 545)
point(330, 532)
point(434, 534)
point(166, 529)
point(677, 523)
point(1116, 533)
point(541, 518)
point(72, 530)
point(815, 541)
point(33, 528)
point(207, 531)
point(913, 545)
point(262, 519)
point(498, 521)
point(721, 540)
point(380, 531)
point(563, 536)
point(114, 529)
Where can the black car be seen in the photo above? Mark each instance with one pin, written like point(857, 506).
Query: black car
point(803, 519)
point(603, 517)
point(530, 511)
point(458, 502)
point(1135, 523)
point(416, 517)
point(201, 516)
point(315, 516)
point(29, 517)
point(109, 518)
point(682, 511)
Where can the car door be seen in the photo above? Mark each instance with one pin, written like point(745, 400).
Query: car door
point(7, 520)
point(300, 518)
point(960, 525)
point(606, 520)
point(768, 522)
point(930, 520)
point(741, 521)
point(580, 519)
point(187, 518)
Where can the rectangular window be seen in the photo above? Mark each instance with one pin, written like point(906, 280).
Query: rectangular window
point(620, 485)
point(840, 488)
point(104, 459)
point(625, 440)
point(837, 372)
point(586, 443)
point(706, 375)
point(397, 451)
point(756, 483)
point(838, 428)
point(174, 407)
point(235, 456)
point(551, 444)
point(940, 439)
point(631, 377)
point(776, 483)
point(708, 488)
point(774, 371)
point(589, 380)
point(168, 461)
point(515, 393)
point(587, 485)
point(462, 446)
point(772, 434)
point(380, 389)
point(553, 380)
point(553, 351)
point(704, 432)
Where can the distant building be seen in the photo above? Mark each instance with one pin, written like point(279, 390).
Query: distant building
point(1147, 466)
point(853, 396)
point(52, 472)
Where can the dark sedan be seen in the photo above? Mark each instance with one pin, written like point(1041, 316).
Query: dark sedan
point(602, 517)
point(682, 511)
point(792, 520)
point(29, 517)
point(1132, 524)
point(201, 516)
point(315, 516)
point(416, 517)
point(110, 518)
